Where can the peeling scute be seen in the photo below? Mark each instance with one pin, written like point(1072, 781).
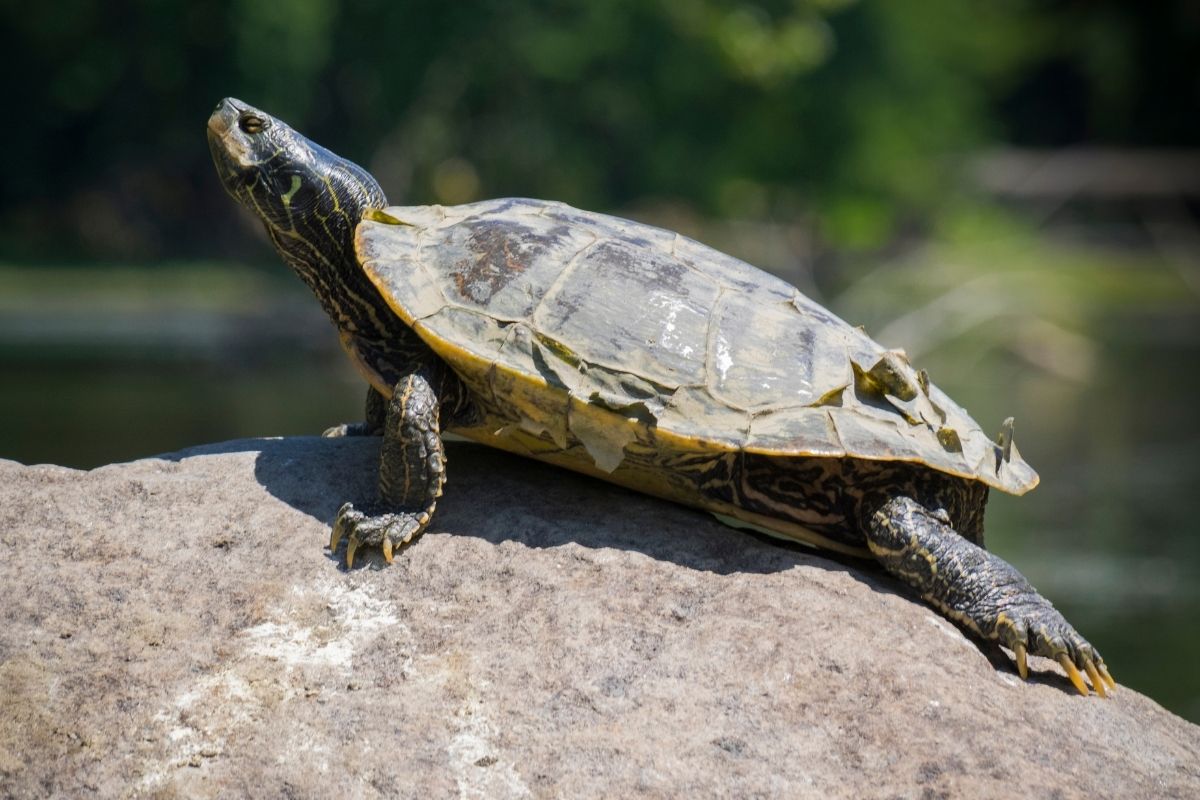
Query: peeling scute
point(603, 434)
point(888, 376)
point(948, 438)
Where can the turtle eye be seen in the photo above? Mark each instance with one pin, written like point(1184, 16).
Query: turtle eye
point(251, 123)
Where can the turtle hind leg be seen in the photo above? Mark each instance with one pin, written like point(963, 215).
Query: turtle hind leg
point(982, 591)
point(412, 469)
point(375, 418)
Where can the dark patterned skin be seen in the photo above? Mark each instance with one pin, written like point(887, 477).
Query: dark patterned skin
point(924, 526)
point(972, 586)
point(412, 469)
point(837, 497)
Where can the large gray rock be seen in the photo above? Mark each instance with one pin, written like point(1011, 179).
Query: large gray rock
point(175, 627)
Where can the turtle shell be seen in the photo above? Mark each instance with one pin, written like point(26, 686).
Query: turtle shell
point(582, 328)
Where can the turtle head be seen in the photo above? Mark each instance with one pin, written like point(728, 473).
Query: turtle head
point(309, 198)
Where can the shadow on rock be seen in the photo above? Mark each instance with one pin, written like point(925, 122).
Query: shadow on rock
point(499, 497)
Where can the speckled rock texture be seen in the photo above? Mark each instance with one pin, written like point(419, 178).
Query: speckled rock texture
point(174, 627)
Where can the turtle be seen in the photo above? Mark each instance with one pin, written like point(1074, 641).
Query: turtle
point(641, 357)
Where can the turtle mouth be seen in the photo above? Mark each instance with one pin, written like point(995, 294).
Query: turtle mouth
point(225, 139)
point(224, 116)
point(218, 125)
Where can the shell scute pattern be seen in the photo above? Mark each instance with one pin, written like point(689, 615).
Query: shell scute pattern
point(551, 314)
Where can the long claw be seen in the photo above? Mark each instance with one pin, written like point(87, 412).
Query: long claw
point(1073, 673)
point(351, 546)
point(339, 531)
point(387, 549)
point(1097, 684)
point(1022, 663)
point(1107, 678)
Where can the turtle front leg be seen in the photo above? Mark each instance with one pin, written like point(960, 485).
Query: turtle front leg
point(979, 589)
point(412, 469)
point(376, 416)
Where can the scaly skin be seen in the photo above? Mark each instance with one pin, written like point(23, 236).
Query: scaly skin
point(412, 469)
point(978, 589)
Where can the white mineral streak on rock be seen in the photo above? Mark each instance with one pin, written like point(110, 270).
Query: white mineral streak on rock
point(215, 706)
point(479, 772)
point(356, 617)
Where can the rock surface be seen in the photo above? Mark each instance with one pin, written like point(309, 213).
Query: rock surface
point(175, 627)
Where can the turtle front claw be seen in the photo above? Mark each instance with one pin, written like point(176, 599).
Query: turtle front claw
point(388, 530)
point(1039, 629)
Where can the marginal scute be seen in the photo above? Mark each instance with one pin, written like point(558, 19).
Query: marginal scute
point(579, 332)
point(815, 428)
point(877, 432)
point(725, 426)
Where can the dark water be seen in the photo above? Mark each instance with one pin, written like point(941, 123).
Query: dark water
point(1100, 371)
point(84, 416)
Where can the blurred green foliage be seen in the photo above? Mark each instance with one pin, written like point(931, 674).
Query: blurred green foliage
point(846, 113)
